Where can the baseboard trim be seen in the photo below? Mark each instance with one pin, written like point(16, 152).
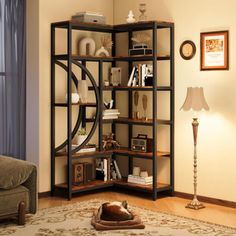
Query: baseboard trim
point(44, 194)
point(215, 201)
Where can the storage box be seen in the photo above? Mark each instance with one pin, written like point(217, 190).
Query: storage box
point(140, 51)
point(89, 18)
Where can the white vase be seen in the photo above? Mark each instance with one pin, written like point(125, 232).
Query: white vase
point(83, 91)
point(74, 98)
point(87, 47)
point(102, 51)
point(80, 139)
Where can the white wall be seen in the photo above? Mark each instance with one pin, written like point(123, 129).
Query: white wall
point(217, 129)
point(216, 175)
point(32, 80)
point(43, 13)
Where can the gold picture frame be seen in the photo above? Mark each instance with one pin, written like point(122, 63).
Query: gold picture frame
point(215, 50)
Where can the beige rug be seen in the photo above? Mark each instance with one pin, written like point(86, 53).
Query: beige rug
point(74, 220)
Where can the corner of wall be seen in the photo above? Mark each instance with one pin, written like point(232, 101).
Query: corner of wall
point(32, 81)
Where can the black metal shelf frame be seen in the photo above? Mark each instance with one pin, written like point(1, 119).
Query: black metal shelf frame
point(111, 59)
point(81, 62)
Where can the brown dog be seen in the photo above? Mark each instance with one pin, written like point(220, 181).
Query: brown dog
point(115, 211)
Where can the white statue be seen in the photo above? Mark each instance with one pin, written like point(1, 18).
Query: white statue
point(87, 47)
point(130, 18)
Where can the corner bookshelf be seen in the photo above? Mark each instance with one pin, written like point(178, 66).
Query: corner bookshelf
point(66, 62)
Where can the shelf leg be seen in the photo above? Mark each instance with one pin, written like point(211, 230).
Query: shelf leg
point(154, 111)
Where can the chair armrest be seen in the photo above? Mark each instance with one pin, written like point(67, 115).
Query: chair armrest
point(31, 184)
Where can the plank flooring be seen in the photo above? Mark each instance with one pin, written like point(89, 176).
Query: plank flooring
point(212, 213)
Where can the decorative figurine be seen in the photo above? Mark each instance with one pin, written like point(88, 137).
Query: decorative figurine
point(115, 76)
point(108, 105)
point(102, 52)
point(109, 142)
point(106, 46)
point(87, 47)
point(145, 101)
point(74, 98)
point(130, 18)
point(142, 9)
point(106, 83)
point(141, 39)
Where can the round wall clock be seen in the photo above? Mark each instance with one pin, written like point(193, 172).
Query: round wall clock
point(187, 49)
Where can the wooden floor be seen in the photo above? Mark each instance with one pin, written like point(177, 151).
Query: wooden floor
point(212, 213)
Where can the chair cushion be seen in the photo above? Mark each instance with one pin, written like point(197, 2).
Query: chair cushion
point(13, 172)
point(10, 199)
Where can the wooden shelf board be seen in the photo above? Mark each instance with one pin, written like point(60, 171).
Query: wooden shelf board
point(147, 155)
point(110, 58)
point(141, 58)
point(144, 25)
point(89, 104)
point(92, 58)
point(129, 88)
point(95, 184)
point(121, 151)
point(126, 120)
point(140, 121)
point(76, 25)
point(148, 188)
point(87, 154)
point(148, 88)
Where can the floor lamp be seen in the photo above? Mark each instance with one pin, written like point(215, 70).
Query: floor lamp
point(195, 101)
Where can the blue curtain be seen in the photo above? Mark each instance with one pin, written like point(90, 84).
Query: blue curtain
point(12, 78)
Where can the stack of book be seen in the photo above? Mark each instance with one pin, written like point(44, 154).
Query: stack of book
point(141, 76)
point(140, 180)
point(86, 148)
point(103, 169)
point(111, 114)
point(107, 169)
point(117, 170)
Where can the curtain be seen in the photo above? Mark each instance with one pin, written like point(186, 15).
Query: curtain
point(12, 78)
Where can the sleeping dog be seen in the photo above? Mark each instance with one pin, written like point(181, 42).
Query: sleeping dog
point(115, 211)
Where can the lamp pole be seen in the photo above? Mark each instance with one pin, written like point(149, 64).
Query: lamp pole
point(195, 204)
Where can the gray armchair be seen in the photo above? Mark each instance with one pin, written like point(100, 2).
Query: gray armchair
point(18, 188)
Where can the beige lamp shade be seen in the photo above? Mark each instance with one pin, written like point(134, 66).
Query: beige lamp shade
point(195, 100)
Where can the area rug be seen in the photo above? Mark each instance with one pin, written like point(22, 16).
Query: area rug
point(74, 220)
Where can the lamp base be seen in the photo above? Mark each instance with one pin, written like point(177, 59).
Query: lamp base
point(195, 204)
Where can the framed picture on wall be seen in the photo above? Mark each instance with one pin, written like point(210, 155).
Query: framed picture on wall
point(214, 50)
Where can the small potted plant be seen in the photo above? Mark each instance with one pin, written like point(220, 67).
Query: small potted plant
point(81, 136)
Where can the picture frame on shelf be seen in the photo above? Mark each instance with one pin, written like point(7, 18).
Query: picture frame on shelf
point(214, 50)
point(115, 76)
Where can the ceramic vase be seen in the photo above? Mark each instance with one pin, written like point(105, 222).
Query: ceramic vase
point(87, 47)
point(83, 91)
point(80, 139)
point(74, 98)
point(102, 51)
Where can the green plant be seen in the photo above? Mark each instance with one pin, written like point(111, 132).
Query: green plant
point(82, 131)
